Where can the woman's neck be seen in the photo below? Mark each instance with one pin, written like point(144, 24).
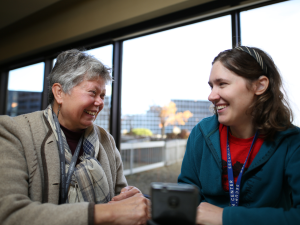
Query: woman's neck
point(244, 131)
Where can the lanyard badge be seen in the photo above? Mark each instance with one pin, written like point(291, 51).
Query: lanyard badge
point(65, 180)
point(234, 190)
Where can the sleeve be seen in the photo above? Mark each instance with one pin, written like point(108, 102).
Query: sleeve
point(274, 216)
point(192, 157)
point(121, 181)
point(16, 207)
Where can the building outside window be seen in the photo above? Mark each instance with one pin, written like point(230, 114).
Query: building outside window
point(25, 87)
point(164, 95)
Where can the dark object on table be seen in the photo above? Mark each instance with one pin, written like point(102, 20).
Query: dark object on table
point(151, 222)
point(174, 203)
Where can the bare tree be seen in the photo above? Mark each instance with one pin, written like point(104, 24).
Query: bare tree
point(168, 116)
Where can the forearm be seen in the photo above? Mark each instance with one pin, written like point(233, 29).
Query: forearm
point(18, 209)
point(130, 211)
point(260, 216)
point(102, 215)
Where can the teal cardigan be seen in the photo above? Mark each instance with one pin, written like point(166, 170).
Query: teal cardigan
point(266, 186)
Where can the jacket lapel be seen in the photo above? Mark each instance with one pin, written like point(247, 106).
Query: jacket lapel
point(51, 167)
point(212, 137)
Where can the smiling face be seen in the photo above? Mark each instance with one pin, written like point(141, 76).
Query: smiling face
point(80, 108)
point(230, 96)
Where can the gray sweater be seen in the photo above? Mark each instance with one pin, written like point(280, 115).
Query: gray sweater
point(30, 173)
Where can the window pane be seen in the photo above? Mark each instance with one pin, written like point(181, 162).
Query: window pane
point(25, 87)
point(164, 95)
point(274, 29)
point(104, 54)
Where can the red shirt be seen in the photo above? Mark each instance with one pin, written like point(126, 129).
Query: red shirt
point(239, 149)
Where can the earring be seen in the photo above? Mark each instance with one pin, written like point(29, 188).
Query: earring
point(58, 110)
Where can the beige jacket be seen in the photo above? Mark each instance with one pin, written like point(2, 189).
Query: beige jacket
point(30, 173)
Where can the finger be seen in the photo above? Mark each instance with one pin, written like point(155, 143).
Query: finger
point(126, 194)
point(119, 197)
point(111, 202)
point(133, 191)
point(127, 188)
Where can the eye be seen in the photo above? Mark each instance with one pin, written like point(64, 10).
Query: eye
point(222, 84)
point(93, 92)
point(102, 96)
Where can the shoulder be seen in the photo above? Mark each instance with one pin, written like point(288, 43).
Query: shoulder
point(22, 120)
point(287, 141)
point(23, 126)
point(291, 135)
point(15, 124)
point(205, 127)
point(203, 134)
point(104, 136)
point(107, 141)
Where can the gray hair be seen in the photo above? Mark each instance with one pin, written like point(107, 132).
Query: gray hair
point(74, 66)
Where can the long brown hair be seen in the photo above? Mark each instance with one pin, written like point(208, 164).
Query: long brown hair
point(271, 111)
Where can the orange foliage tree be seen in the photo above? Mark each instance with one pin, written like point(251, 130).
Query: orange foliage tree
point(168, 116)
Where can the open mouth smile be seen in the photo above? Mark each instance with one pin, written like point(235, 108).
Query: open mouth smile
point(90, 112)
point(220, 107)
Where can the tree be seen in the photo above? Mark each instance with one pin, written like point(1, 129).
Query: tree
point(168, 116)
point(142, 132)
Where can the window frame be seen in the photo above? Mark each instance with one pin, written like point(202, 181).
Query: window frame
point(117, 37)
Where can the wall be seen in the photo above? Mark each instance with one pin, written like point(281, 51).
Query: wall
point(69, 21)
point(56, 26)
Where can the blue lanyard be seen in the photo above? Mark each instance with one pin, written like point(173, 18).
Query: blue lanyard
point(234, 192)
point(65, 180)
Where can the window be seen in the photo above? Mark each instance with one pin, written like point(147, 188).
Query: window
point(25, 87)
point(104, 54)
point(166, 73)
point(273, 28)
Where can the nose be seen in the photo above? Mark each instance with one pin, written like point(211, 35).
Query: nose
point(99, 101)
point(214, 95)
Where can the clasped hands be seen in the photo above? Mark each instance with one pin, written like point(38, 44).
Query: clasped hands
point(126, 192)
point(130, 207)
point(207, 214)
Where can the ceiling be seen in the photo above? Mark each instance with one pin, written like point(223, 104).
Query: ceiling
point(12, 11)
point(29, 27)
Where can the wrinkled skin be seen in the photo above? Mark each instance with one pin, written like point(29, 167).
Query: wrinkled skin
point(128, 208)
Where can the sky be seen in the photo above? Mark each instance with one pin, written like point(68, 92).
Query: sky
point(33, 81)
point(275, 30)
point(175, 64)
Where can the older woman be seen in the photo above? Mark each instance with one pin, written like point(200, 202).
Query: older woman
point(58, 156)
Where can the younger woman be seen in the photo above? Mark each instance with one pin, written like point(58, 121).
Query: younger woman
point(245, 159)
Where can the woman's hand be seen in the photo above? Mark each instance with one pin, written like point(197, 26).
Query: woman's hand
point(131, 211)
point(126, 192)
point(208, 214)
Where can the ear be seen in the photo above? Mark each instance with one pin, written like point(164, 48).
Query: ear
point(58, 93)
point(261, 85)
